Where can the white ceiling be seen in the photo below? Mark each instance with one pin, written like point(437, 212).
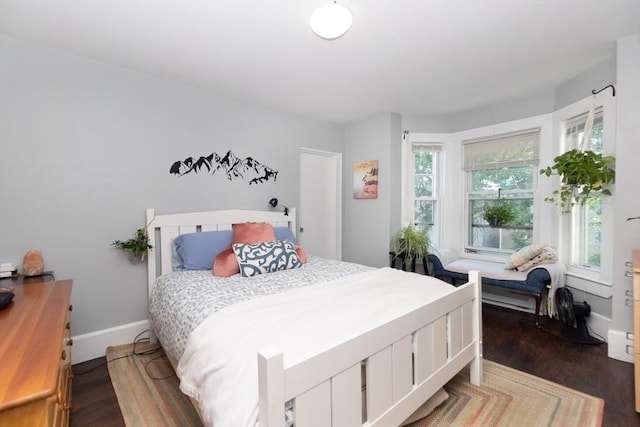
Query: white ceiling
point(409, 57)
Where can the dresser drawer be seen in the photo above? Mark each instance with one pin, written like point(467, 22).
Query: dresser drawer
point(36, 356)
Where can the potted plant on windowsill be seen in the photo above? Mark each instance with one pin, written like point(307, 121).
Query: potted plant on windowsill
point(583, 175)
point(410, 243)
point(137, 247)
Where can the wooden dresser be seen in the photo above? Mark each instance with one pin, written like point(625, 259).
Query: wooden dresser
point(35, 356)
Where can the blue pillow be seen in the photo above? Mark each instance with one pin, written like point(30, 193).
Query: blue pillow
point(266, 257)
point(196, 251)
point(285, 233)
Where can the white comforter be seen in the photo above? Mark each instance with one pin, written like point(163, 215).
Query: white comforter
point(219, 364)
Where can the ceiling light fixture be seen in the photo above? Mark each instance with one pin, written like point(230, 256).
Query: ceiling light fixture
point(330, 21)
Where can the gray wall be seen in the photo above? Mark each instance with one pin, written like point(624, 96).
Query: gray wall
point(542, 101)
point(627, 233)
point(86, 148)
point(368, 223)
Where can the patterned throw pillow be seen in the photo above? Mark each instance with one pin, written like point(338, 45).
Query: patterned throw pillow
point(225, 263)
point(266, 257)
point(523, 255)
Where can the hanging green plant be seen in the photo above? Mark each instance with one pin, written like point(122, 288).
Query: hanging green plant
point(583, 175)
point(137, 247)
point(498, 213)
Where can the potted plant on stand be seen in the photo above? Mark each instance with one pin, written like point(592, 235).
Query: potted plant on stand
point(137, 247)
point(410, 243)
point(583, 175)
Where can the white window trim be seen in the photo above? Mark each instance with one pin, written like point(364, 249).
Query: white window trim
point(438, 139)
point(540, 234)
point(605, 275)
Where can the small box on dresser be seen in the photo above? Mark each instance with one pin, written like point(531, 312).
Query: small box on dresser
point(35, 356)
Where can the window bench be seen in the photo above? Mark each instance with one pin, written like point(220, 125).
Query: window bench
point(447, 265)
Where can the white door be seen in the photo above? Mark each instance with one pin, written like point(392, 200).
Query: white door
point(320, 210)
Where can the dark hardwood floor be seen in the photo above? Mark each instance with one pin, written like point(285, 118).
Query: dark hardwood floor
point(510, 338)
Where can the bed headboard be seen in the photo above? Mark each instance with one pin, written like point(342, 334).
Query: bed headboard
point(162, 229)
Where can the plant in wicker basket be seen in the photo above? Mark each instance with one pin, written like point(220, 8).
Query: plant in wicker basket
point(137, 247)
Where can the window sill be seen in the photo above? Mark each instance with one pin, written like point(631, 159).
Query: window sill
point(590, 285)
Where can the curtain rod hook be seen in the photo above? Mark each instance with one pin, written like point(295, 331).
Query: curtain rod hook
point(613, 88)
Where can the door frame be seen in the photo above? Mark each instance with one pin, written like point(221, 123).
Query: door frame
point(336, 159)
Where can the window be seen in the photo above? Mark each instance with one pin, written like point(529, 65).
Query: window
point(501, 173)
point(422, 184)
point(586, 221)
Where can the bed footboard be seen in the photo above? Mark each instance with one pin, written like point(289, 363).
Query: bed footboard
point(381, 377)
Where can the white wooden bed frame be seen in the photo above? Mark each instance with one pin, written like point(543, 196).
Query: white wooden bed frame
point(407, 360)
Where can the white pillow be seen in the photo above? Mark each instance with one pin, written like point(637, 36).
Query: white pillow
point(523, 255)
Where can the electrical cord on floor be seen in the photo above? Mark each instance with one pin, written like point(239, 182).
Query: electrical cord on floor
point(135, 352)
point(594, 334)
point(163, 358)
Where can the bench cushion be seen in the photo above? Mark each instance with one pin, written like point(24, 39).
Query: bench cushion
point(493, 273)
point(535, 281)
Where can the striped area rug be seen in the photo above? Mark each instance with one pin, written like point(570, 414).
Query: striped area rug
point(147, 388)
point(148, 395)
point(513, 398)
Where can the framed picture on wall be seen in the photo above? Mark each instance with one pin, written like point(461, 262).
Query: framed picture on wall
point(365, 180)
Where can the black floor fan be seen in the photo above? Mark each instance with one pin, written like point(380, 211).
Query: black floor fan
point(572, 315)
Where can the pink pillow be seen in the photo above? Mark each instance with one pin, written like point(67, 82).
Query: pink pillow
point(301, 254)
point(225, 264)
point(253, 232)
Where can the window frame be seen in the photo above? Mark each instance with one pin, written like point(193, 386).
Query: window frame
point(568, 226)
point(437, 141)
point(547, 234)
point(470, 194)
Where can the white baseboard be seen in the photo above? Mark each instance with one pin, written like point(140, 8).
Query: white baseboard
point(619, 344)
point(94, 344)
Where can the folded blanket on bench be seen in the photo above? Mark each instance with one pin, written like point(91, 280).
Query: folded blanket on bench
point(451, 261)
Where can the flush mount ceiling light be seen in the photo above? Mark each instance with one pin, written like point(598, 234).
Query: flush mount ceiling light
point(330, 20)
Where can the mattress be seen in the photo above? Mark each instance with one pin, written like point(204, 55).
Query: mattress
point(181, 300)
point(219, 366)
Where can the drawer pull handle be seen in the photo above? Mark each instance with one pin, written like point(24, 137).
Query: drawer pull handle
point(630, 336)
point(629, 349)
point(68, 325)
point(70, 341)
point(63, 356)
point(628, 293)
point(628, 273)
point(628, 263)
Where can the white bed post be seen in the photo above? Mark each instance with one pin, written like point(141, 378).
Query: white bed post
point(151, 260)
point(151, 264)
point(271, 388)
point(476, 364)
